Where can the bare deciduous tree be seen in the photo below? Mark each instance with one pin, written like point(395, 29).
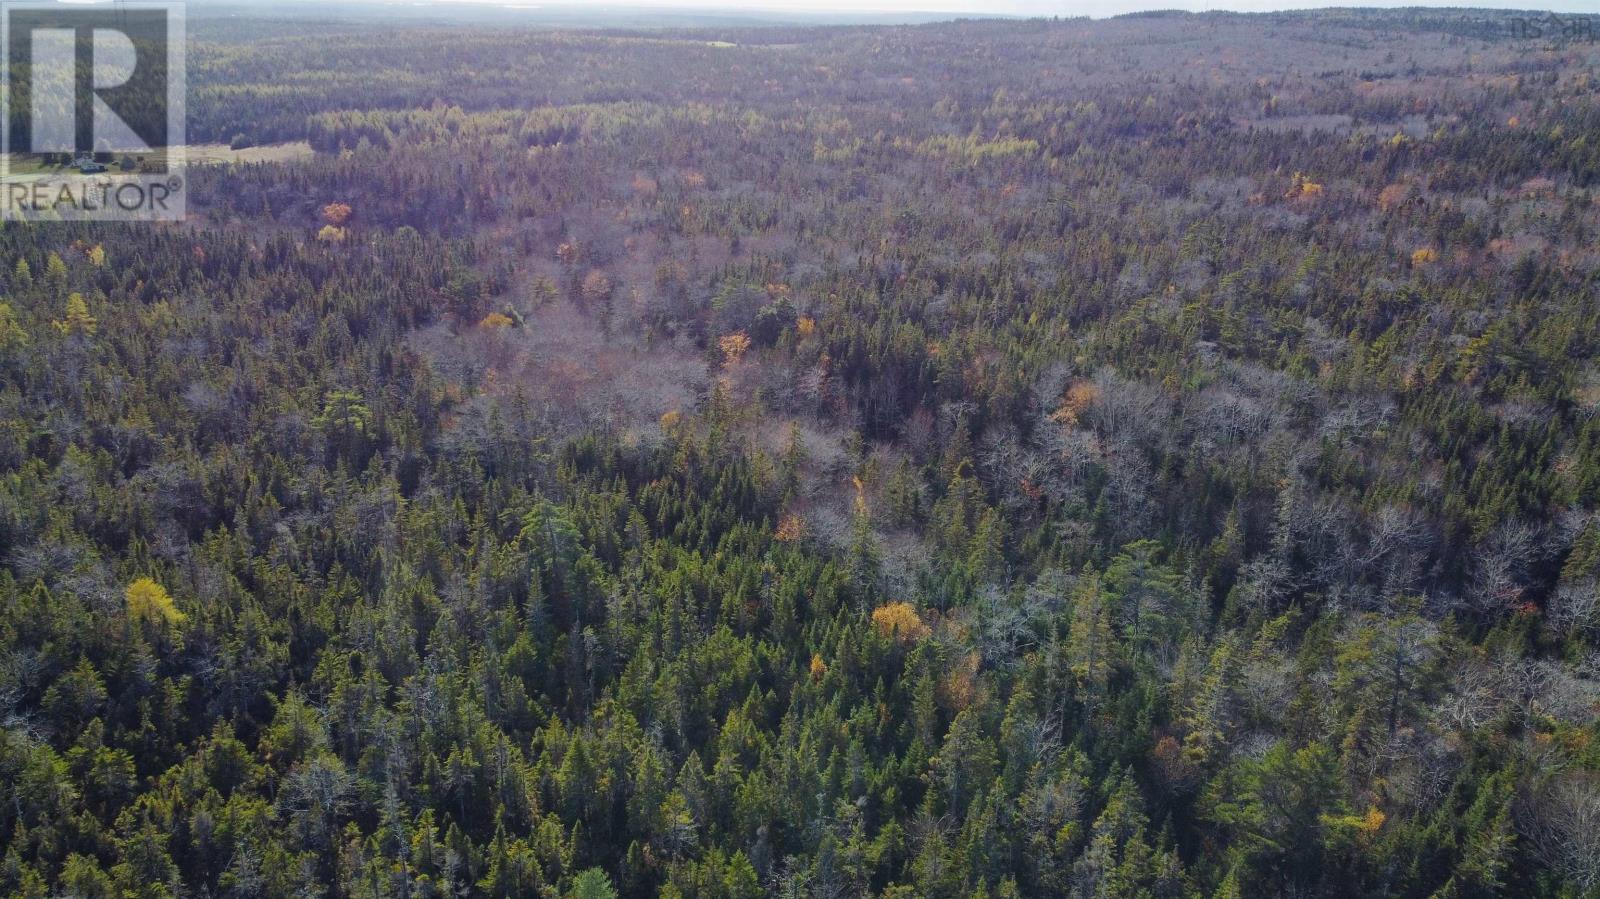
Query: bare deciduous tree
point(1562, 824)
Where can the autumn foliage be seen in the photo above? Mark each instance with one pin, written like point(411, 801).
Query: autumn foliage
point(900, 621)
point(733, 347)
point(149, 602)
point(790, 528)
point(336, 214)
point(1080, 396)
point(1392, 196)
point(1304, 189)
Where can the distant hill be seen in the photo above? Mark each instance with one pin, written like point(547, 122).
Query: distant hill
point(565, 16)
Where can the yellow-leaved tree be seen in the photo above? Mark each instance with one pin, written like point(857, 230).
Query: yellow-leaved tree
point(78, 321)
point(12, 334)
point(149, 601)
point(55, 271)
point(733, 347)
point(901, 621)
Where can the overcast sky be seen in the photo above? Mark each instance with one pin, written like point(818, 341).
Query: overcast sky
point(1064, 7)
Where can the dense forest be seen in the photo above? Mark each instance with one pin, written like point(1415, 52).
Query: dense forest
point(1152, 457)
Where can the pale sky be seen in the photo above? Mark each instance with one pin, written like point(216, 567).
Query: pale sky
point(1058, 7)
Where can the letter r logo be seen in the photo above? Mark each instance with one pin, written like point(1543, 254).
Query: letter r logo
point(87, 65)
point(92, 80)
point(93, 91)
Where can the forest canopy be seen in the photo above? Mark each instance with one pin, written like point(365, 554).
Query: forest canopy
point(1152, 457)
